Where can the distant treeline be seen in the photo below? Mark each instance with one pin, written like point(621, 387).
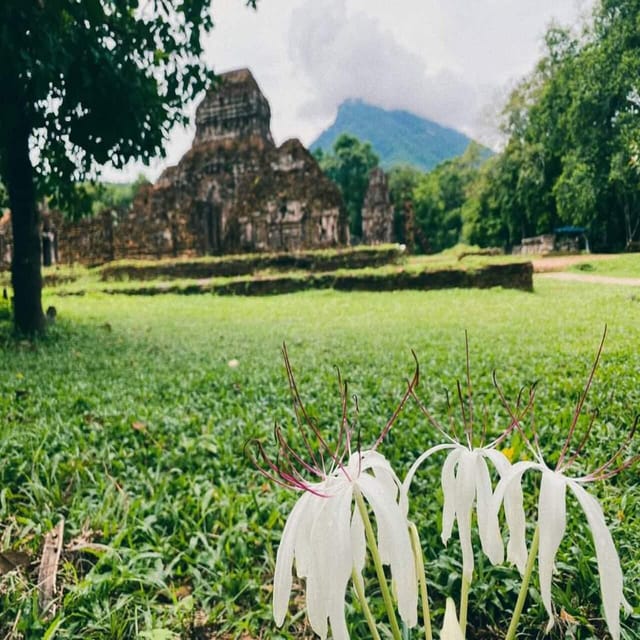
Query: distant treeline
point(573, 140)
point(439, 199)
point(94, 197)
point(90, 198)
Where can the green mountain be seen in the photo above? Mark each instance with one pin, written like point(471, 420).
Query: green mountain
point(398, 137)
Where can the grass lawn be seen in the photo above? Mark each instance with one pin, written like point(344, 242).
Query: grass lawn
point(625, 265)
point(128, 421)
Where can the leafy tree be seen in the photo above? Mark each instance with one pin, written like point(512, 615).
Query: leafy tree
point(4, 198)
point(84, 83)
point(573, 131)
point(575, 191)
point(111, 195)
point(438, 199)
point(349, 164)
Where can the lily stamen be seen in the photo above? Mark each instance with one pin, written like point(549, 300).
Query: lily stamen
point(469, 388)
point(434, 423)
point(579, 405)
point(277, 475)
point(583, 442)
point(601, 472)
point(516, 421)
point(408, 393)
point(297, 402)
point(466, 481)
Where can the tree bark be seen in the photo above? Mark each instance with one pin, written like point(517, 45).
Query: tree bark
point(26, 276)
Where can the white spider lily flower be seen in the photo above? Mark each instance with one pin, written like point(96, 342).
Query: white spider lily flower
point(552, 510)
point(451, 629)
point(324, 536)
point(466, 480)
point(552, 520)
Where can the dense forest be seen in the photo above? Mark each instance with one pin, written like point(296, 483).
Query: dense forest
point(573, 138)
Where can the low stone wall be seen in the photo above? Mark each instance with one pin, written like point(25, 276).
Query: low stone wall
point(509, 276)
point(229, 266)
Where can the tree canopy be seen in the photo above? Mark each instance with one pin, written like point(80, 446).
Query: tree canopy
point(573, 130)
point(438, 197)
point(85, 83)
point(349, 164)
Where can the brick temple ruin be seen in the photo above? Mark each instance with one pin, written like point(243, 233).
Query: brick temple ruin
point(233, 191)
point(377, 210)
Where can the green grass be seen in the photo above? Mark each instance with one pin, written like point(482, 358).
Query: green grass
point(626, 265)
point(128, 421)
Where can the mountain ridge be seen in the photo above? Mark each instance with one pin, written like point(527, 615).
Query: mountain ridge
point(398, 137)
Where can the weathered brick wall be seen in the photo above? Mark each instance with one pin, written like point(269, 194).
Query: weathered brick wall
point(88, 241)
point(234, 190)
point(377, 210)
point(238, 108)
point(290, 204)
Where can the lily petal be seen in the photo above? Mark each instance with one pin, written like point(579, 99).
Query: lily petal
point(608, 561)
point(318, 579)
point(332, 560)
point(390, 518)
point(513, 511)
point(498, 459)
point(451, 627)
point(406, 484)
point(378, 463)
point(516, 523)
point(386, 477)
point(488, 524)
point(317, 612)
point(464, 496)
point(304, 551)
point(509, 491)
point(358, 541)
point(337, 555)
point(552, 520)
point(513, 474)
point(448, 482)
point(284, 560)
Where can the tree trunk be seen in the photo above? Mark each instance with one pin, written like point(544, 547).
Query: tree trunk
point(26, 276)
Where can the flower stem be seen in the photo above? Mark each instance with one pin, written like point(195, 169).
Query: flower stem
point(464, 604)
point(422, 580)
point(526, 578)
point(377, 562)
point(358, 583)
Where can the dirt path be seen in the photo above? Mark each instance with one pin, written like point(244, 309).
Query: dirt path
point(560, 263)
point(583, 277)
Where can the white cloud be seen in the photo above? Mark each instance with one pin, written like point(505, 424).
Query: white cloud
point(442, 59)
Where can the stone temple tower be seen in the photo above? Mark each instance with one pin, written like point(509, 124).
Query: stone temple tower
point(238, 109)
point(377, 210)
point(235, 190)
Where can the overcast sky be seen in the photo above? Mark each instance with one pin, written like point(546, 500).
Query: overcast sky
point(452, 61)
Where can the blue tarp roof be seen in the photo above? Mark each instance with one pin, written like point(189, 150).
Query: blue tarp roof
point(570, 229)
